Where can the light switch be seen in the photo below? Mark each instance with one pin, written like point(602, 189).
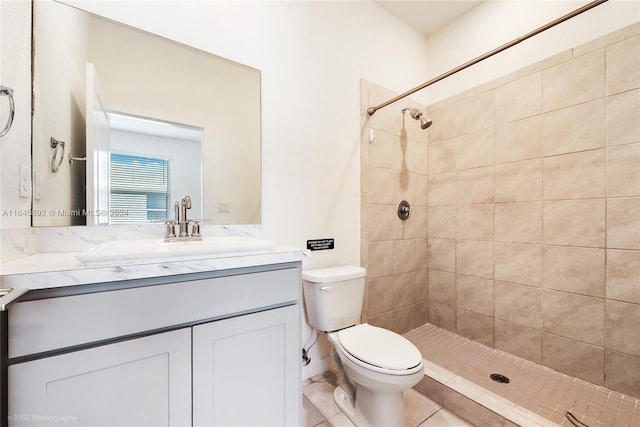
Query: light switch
point(37, 186)
point(24, 181)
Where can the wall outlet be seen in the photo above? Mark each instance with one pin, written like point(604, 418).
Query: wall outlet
point(24, 181)
point(224, 207)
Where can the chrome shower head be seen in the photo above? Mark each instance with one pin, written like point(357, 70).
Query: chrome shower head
point(418, 115)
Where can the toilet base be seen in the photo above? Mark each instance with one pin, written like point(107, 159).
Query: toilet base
point(371, 408)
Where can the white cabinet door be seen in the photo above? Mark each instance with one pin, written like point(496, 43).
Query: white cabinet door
point(140, 382)
point(246, 370)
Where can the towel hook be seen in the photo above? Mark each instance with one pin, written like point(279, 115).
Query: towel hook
point(58, 154)
point(8, 92)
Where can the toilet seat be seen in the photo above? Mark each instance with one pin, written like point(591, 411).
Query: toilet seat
point(380, 350)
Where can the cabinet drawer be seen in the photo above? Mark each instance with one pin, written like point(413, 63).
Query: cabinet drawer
point(50, 324)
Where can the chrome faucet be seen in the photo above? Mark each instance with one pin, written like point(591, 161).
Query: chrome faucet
point(185, 204)
point(182, 222)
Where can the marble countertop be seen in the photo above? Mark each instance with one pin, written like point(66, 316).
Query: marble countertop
point(54, 270)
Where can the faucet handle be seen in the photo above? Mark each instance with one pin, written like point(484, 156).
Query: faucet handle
point(170, 229)
point(195, 228)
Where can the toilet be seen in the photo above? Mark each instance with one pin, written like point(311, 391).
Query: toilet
point(374, 365)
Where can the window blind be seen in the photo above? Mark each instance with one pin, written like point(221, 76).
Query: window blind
point(139, 189)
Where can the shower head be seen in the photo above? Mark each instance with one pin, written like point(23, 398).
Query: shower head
point(418, 115)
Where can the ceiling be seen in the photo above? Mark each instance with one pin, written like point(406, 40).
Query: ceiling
point(428, 16)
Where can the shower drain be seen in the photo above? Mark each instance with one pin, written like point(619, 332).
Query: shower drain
point(499, 378)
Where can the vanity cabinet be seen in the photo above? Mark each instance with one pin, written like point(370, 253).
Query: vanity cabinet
point(140, 382)
point(203, 351)
point(246, 371)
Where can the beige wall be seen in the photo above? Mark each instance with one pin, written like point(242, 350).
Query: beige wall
point(533, 215)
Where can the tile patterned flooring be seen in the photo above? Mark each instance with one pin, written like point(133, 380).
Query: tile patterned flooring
point(538, 389)
point(319, 409)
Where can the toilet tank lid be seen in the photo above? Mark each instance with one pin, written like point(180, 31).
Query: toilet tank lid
point(334, 274)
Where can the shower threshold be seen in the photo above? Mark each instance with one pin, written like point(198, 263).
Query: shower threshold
point(458, 375)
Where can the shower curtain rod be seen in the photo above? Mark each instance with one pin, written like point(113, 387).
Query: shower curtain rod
point(372, 110)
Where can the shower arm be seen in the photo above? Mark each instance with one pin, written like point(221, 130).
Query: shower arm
point(372, 110)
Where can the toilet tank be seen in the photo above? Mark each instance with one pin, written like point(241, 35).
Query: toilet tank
point(333, 296)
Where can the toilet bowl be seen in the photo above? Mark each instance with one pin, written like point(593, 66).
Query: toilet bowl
point(374, 365)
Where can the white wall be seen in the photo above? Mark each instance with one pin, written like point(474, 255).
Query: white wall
point(494, 23)
point(15, 146)
point(312, 56)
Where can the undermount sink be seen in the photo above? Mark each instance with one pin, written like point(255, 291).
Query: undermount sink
point(158, 249)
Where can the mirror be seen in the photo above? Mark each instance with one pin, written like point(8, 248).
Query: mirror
point(170, 118)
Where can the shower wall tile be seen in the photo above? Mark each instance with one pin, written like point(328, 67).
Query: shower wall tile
point(410, 317)
point(575, 128)
point(475, 113)
point(530, 185)
point(622, 327)
point(519, 99)
point(518, 222)
point(519, 340)
point(623, 275)
point(475, 294)
point(623, 170)
point(442, 221)
point(622, 372)
point(518, 181)
point(442, 287)
point(416, 157)
point(381, 293)
point(574, 358)
point(442, 189)
point(382, 225)
point(420, 190)
point(475, 326)
point(573, 82)
point(623, 65)
point(623, 110)
point(442, 315)
point(474, 222)
point(474, 258)
point(384, 180)
point(475, 186)
point(474, 150)
point(384, 320)
point(520, 140)
point(408, 290)
point(384, 151)
point(380, 263)
point(518, 304)
point(574, 176)
point(406, 256)
point(623, 223)
point(608, 39)
point(442, 156)
point(416, 226)
point(442, 117)
point(574, 316)
point(518, 263)
point(574, 222)
point(442, 254)
point(573, 269)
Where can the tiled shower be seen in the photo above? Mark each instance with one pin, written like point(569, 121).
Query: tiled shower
point(525, 226)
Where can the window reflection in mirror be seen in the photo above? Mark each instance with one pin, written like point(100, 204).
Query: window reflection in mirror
point(146, 76)
point(153, 164)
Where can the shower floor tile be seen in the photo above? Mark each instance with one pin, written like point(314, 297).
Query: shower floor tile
point(454, 360)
